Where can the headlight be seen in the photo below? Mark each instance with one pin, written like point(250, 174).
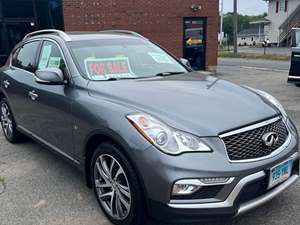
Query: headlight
point(165, 138)
point(272, 100)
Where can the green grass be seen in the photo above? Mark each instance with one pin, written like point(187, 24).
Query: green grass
point(229, 54)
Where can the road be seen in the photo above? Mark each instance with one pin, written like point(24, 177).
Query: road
point(271, 50)
point(42, 189)
point(258, 65)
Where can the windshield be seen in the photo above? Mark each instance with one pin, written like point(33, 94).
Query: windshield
point(122, 59)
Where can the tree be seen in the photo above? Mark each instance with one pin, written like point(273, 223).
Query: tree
point(243, 23)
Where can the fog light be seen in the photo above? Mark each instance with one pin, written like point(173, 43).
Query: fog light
point(190, 186)
point(216, 180)
point(184, 189)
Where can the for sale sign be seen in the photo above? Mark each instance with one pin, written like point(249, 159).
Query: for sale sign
point(104, 69)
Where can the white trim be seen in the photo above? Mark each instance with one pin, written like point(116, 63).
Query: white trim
point(251, 127)
point(294, 77)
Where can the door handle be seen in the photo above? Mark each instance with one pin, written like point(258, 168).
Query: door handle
point(6, 83)
point(33, 95)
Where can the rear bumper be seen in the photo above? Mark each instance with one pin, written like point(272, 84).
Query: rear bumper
point(242, 199)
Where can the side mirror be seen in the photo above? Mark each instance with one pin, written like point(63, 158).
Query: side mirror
point(50, 76)
point(185, 62)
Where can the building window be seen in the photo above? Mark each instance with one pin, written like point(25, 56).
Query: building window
point(282, 5)
point(286, 6)
point(18, 9)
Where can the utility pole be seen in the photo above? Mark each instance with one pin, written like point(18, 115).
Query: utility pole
point(221, 22)
point(235, 26)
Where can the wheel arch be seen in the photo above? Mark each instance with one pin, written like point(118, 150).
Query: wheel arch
point(95, 140)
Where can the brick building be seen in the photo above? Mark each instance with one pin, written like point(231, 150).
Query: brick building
point(187, 28)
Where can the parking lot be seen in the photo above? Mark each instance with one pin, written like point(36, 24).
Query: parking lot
point(37, 187)
point(269, 50)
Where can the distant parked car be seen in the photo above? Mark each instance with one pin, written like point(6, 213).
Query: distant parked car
point(152, 136)
point(294, 74)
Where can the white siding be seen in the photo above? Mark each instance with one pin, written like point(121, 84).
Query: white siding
point(278, 18)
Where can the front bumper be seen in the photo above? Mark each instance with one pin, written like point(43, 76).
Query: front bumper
point(247, 191)
point(250, 192)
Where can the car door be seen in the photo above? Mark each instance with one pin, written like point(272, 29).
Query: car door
point(294, 75)
point(51, 104)
point(17, 79)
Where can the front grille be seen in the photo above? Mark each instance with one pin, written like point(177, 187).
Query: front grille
point(250, 144)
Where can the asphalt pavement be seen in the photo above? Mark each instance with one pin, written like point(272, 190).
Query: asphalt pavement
point(39, 188)
point(271, 50)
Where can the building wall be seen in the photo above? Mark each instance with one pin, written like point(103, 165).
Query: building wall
point(278, 18)
point(159, 20)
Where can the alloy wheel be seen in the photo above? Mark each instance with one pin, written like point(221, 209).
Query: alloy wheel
point(6, 120)
point(112, 187)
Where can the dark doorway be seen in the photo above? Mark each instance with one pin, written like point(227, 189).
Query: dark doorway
point(294, 75)
point(195, 41)
point(19, 17)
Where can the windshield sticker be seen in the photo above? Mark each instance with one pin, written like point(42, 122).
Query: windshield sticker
point(161, 58)
point(45, 56)
point(104, 69)
point(54, 62)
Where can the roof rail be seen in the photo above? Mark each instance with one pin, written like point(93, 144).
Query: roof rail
point(124, 32)
point(59, 33)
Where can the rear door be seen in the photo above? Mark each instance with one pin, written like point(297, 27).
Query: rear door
point(294, 75)
point(16, 81)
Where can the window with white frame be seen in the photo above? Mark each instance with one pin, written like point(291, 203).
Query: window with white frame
point(282, 5)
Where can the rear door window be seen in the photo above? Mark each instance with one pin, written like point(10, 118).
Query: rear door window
point(24, 57)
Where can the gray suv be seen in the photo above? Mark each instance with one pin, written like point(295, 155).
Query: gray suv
point(153, 137)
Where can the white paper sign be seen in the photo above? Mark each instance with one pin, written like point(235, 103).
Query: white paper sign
point(46, 52)
point(161, 58)
point(54, 62)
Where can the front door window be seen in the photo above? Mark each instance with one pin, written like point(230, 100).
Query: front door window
point(51, 57)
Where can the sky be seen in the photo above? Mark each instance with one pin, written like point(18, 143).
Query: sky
point(247, 7)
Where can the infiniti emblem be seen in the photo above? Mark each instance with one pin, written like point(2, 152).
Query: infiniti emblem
point(270, 139)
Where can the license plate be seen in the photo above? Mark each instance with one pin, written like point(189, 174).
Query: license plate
point(280, 173)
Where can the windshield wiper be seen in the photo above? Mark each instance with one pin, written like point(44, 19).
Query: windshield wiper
point(112, 79)
point(165, 74)
point(122, 78)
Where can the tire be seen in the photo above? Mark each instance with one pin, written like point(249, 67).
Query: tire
point(120, 176)
point(8, 123)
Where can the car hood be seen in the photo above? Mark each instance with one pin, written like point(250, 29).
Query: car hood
point(192, 102)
